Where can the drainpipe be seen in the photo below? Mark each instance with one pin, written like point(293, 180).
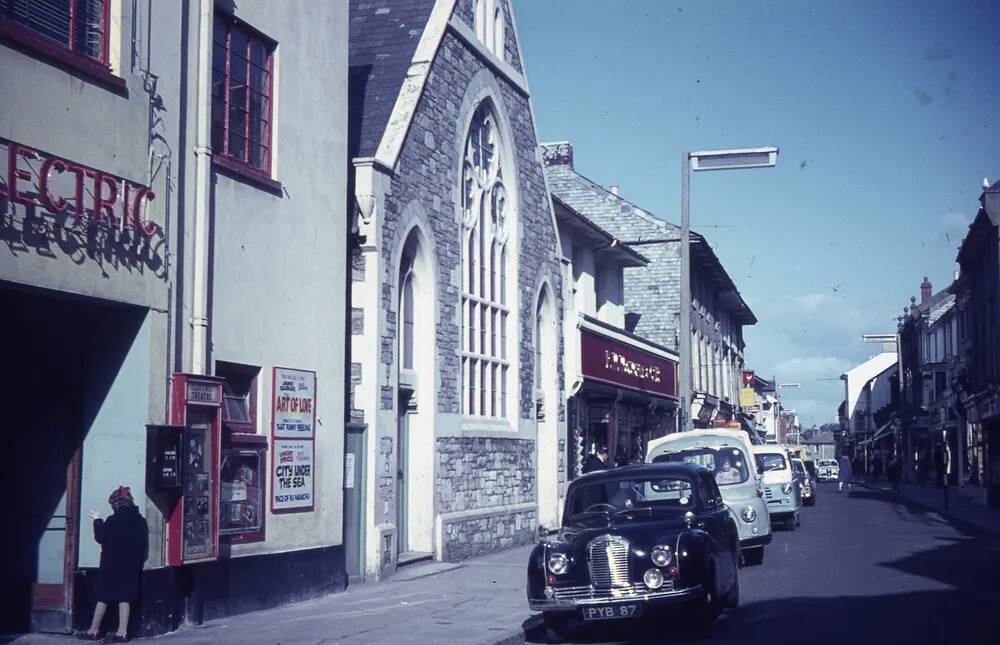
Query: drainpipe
point(202, 205)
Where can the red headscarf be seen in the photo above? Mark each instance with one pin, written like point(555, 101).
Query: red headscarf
point(121, 498)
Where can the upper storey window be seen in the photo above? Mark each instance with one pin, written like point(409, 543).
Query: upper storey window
point(242, 67)
point(486, 314)
point(491, 25)
point(79, 26)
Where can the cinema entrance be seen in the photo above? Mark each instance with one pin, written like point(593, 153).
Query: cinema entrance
point(67, 367)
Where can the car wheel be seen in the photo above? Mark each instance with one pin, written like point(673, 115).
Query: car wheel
point(558, 625)
point(732, 599)
point(753, 556)
point(708, 608)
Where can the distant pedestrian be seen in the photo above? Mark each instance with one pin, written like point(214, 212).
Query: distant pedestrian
point(940, 465)
point(124, 540)
point(923, 468)
point(892, 472)
point(597, 461)
point(845, 475)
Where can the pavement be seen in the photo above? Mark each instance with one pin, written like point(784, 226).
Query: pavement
point(476, 602)
point(960, 507)
point(869, 567)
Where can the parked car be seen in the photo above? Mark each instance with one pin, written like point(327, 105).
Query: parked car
point(727, 455)
point(805, 481)
point(783, 496)
point(827, 470)
point(633, 540)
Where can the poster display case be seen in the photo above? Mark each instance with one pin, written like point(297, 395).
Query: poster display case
point(193, 524)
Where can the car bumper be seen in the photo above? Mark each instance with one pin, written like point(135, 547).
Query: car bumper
point(575, 598)
point(759, 540)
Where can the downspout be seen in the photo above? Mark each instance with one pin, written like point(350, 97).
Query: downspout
point(202, 205)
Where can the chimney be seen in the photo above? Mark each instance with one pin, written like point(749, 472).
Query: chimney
point(925, 291)
point(615, 189)
point(559, 153)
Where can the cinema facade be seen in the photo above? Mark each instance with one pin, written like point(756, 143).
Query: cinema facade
point(140, 146)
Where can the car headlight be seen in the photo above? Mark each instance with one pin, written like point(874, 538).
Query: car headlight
point(558, 563)
point(660, 555)
point(786, 488)
point(749, 515)
point(653, 578)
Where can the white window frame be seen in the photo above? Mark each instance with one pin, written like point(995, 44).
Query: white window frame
point(488, 302)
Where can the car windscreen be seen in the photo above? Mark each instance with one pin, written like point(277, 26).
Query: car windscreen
point(727, 464)
point(798, 468)
point(606, 497)
point(770, 461)
point(826, 463)
point(810, 468)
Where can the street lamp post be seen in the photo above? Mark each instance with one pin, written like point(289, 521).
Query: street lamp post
point(738, 159)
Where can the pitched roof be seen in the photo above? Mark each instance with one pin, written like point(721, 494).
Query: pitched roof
point(630, 223)
point(383, 38)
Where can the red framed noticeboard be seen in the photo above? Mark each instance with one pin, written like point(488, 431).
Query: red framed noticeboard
point(193, 524)
point(293, 434)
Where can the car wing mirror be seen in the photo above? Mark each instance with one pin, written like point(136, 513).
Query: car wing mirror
point(544, 531)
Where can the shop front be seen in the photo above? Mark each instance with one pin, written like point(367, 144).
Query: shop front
point(628, 396)
point(982, 446)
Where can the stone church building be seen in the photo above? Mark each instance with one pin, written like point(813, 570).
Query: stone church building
point(456, 427)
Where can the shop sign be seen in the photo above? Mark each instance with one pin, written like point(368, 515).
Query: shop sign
point(748, 376)
point(292, 475)
point(202, 392)
point(59, 186)
point(609, 361)
point(294, 403)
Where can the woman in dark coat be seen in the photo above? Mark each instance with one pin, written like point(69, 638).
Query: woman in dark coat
point(124, 539)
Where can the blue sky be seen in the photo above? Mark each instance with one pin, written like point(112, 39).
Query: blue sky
point(887, 115)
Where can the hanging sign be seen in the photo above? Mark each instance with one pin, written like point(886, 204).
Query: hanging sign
point(293, 403)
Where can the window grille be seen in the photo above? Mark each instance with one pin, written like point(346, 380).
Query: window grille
point(79, 26)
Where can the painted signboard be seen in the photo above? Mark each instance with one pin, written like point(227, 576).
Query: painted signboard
point(293, 403)
point(611, 361)
point(292, 475)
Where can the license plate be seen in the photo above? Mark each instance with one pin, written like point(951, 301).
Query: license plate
point(611, 612)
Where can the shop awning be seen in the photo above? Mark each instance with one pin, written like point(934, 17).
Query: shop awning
point(883, 432)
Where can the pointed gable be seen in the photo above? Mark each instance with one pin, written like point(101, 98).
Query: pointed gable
point(384, 35)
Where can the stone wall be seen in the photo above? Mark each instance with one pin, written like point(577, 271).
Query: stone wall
point(476, 472)
point(475, 536)
point(426, 172)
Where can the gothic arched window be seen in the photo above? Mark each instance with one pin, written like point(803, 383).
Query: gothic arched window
point(486, 317)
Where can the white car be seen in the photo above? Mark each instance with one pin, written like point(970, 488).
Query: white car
point(827, 470)
point(783, 495)
point(727, 454)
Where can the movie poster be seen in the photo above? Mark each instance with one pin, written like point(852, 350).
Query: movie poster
point(292, 475)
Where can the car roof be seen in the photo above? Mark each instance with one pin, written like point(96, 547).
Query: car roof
point(696, 434)
point(659, 469)
point(769, 449)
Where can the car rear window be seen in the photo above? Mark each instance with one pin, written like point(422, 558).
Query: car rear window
point(770, 461)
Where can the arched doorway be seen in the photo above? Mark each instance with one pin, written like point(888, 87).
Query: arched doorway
point(415, 410)
point(546, 408)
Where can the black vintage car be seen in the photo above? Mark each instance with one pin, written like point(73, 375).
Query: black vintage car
point(632, 540)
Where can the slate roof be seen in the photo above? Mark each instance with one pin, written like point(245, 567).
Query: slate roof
point(382, 39)
point(632, 224)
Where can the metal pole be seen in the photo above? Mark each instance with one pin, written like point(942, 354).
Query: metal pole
point(684, 333)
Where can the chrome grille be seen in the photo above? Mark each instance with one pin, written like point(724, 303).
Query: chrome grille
point(768, 492)
point(608, 560)
point(637, 590)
